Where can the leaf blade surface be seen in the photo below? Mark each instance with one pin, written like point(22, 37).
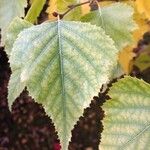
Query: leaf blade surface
point(8, 11)
point(63, 65)
point(127, 121)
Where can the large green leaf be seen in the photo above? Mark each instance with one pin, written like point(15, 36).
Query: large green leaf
point(116, 20)
point(9, 9)
point(127, 116)
point(15, 27)
point(63, 64)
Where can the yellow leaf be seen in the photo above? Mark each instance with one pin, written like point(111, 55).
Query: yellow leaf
point(52, 8)
point(143, 7)
point(126, 55)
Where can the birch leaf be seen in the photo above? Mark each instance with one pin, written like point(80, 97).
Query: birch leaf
point(63, 64)
point(116, 20)
point(127, 122)
point(15, 86)
point(9, 9)
point(16, 26)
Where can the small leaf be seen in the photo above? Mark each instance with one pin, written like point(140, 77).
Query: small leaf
point(63, 64)
point(127, 122)
point(116, 20)
point(9, 9)
point(16, 26)
point(35, 10)
point(143, 60)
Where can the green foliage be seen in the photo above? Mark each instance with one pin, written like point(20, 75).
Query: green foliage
point(35, 10)
point(143, 60)
point(9, 9)
point(16, 26)
point(15, 85)
point(116, 20)
point(127, 121)
point(63, 64)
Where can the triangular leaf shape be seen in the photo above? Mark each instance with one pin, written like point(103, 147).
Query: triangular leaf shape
point(63, 64)
point(127, 121)
point(117, 21)
point(9, 9)
point(15, 27)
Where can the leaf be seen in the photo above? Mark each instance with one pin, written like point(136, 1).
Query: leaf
point(63, 64)
point(127, 122)
point(143, 60)
point(143, 7)
point(9, 9)
point(60, 6)
point(117, 71)
point(126, 55)
point(15, 86)
point(16, 26)
point(116, 20)
point(35, 10)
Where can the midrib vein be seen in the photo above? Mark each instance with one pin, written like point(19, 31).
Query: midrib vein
point(62, 80)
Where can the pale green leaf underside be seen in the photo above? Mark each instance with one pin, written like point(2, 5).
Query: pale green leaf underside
point(63, 64)
point(116, 20)
point(9, 9)
point(15, 86)
point(127, 120)
point(16, 26)
point(117, 71)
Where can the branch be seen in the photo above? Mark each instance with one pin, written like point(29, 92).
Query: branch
point(92, 3)
point(71, 7)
